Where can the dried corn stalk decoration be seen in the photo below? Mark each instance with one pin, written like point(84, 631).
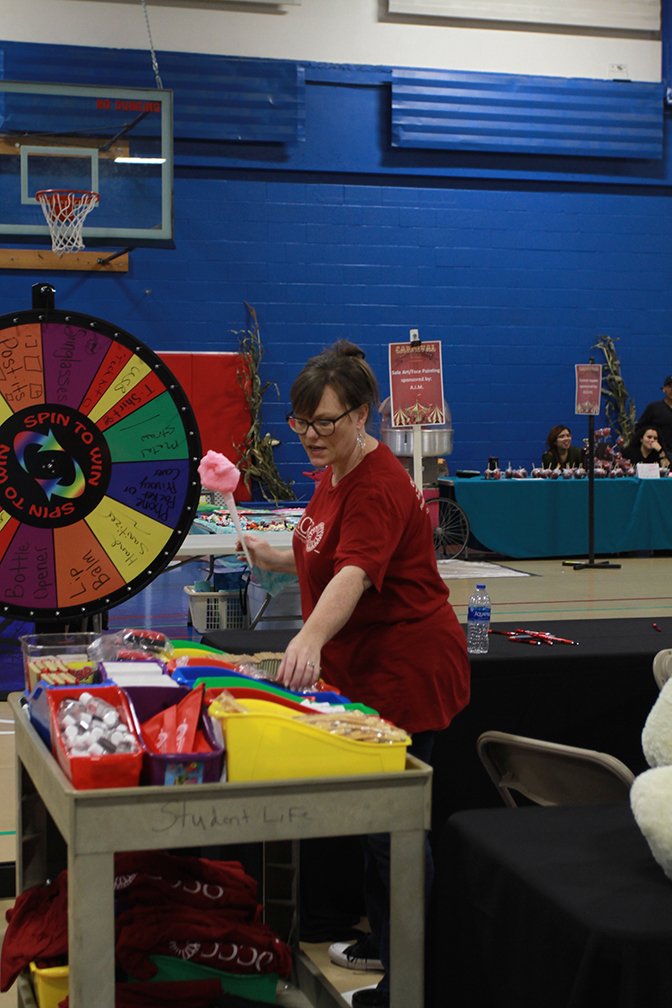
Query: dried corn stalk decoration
point(256, 452)
point(619, 407)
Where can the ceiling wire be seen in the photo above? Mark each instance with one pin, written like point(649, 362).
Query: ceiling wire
point(155, 64)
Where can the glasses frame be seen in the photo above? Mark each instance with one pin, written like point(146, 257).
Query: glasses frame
point(311, 423)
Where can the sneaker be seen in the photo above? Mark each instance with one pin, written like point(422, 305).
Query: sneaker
point(362, 955)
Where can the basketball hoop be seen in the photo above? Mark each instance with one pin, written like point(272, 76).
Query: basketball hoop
point(65, 210)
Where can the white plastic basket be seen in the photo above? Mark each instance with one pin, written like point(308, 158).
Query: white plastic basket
point(220, 610)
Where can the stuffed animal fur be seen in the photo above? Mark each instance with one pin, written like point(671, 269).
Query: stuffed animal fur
point(657, 732)
point(651, 792)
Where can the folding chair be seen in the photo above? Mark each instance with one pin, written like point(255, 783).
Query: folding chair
point(662, 667)
point(548, 773)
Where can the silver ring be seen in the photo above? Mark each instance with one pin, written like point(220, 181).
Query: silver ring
point(310, 664)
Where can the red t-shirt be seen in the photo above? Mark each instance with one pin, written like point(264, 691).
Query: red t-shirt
point(402, 651)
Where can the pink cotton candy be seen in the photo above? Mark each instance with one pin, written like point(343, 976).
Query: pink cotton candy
point(218, 473)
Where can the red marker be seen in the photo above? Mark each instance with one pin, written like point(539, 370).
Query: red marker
point(656, 627)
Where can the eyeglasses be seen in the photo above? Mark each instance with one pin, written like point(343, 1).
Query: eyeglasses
point(323, 428)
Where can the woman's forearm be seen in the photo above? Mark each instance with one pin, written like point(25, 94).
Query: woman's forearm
point(283, 562)
point(300, 666)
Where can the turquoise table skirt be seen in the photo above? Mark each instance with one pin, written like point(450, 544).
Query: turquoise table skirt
point(542, 517)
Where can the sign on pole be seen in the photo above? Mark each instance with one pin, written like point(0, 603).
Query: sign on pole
point(588, 388)
point(416, 384)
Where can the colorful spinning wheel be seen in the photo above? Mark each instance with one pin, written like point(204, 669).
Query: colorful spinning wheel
point(99, 452)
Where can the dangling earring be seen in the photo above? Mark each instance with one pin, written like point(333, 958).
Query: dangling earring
point(360, 440)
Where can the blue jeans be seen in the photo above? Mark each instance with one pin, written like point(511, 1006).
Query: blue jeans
point(377, 870)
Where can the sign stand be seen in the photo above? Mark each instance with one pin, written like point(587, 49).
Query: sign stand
point(417, 454)
point(416, 391)
point(591, 564)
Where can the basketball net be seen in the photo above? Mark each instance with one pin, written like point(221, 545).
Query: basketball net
point(65, 210)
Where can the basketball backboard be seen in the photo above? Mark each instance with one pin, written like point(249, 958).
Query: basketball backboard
point(115, 141)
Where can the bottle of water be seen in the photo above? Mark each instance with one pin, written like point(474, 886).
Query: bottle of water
point(478, 621)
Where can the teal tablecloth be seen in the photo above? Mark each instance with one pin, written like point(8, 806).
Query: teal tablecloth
point(542, 517)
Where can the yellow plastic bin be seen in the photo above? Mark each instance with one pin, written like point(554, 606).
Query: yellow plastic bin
point(273, 746)
point(50, 985)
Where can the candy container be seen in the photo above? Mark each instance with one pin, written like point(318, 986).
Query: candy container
point(91, 726)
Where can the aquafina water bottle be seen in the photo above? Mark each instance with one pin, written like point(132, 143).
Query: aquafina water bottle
point(478, 621)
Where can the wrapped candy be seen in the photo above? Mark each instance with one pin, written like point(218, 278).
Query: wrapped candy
point(91, 727)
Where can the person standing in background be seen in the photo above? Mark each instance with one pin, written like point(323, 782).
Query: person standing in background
point(658, 415)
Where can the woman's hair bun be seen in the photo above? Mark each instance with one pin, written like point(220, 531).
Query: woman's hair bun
point(347, 349)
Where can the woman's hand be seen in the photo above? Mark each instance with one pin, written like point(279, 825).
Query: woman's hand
point(267, 557)
point(300, 666)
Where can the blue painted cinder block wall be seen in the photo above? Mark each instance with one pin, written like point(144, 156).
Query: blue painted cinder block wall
point(515, 266)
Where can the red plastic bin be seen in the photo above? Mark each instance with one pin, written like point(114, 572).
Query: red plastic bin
point(109, 770)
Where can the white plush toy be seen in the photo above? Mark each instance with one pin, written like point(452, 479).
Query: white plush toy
point(651, 792)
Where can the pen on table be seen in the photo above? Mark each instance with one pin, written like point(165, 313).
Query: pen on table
point(656, 627)
point(516, 636)
point(550, 638)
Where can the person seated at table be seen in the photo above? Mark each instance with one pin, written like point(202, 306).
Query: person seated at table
point(560, 454)
point(658, 415)
point(645, 447)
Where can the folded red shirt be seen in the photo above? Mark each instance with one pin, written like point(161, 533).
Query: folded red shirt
point(155, 877)
point(37, 929)
point(211, 939)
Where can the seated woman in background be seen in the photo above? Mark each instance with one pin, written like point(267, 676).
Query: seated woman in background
point(560, 453)
point(646, 447)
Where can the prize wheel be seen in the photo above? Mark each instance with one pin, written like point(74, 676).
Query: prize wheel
point(99, 454)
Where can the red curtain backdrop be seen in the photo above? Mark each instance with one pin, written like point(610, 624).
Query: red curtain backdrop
point(210, 382)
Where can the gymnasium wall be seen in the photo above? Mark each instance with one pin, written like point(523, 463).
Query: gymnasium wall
point(341, 32)
point(517, 263)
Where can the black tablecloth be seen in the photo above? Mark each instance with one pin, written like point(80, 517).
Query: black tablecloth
point(248, 641)
point(596, 695)
point(559, 907)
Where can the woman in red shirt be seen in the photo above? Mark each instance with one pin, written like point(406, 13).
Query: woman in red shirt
point(377, 621)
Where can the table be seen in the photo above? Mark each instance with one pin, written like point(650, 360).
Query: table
point(558, 907)
point(94, 824)
point(596, 696)
point(224, 543)
point(543, 517)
